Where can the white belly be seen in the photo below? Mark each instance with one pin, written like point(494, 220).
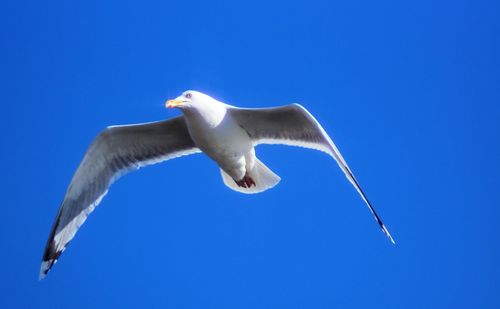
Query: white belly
point(226, 143)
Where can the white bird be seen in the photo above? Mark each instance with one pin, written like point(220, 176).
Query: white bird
point(227, 134)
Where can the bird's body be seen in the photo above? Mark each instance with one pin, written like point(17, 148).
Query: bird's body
point(218, 135)
point(227, 134)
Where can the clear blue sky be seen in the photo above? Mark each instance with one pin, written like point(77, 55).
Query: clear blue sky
point(409, 90)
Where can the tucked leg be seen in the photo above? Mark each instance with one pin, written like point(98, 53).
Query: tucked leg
point(246, 182)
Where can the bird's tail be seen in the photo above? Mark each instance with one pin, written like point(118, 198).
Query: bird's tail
point(261, 176)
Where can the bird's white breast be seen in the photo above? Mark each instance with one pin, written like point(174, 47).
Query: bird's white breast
point(216, 133)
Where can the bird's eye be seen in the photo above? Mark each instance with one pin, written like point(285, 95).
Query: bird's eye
point(188, 95)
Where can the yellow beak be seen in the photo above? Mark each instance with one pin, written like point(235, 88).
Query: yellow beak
point(173, 103)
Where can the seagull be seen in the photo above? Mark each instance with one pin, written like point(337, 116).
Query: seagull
point(227, 134)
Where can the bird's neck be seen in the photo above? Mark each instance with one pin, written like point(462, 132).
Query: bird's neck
point(209, 116)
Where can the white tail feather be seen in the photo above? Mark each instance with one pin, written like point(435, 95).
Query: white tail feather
point(263, 177)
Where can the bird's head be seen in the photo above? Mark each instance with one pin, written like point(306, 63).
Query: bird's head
point(190, 100)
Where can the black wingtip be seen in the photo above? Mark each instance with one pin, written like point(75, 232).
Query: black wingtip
point(45, 268)
point(49, 258)
point(386, 232)
point(384, 229)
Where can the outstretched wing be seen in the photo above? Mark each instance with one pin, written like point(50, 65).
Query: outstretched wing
point(114, 152)
point(293, 125)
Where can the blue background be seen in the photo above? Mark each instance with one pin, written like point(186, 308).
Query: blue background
point(409, 90)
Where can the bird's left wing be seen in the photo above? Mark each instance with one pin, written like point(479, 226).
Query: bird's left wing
point(114, 152)
point(293, 125)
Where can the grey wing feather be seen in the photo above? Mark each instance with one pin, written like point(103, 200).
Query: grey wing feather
point(293, 125)
point(114, 152)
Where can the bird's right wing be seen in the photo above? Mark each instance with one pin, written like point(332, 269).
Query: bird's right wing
point(293, 125)
point(115, 151)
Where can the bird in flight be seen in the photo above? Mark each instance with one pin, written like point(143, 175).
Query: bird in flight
point(227, 134)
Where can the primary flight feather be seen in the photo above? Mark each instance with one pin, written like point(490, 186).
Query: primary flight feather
point(227, 134)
